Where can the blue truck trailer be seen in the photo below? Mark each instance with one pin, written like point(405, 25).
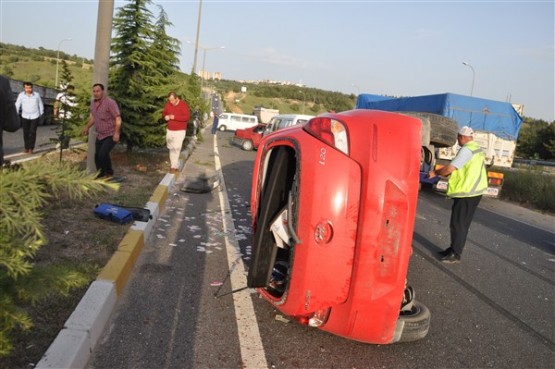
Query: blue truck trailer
point(496, 125)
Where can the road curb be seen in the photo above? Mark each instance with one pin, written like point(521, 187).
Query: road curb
point(74, 344)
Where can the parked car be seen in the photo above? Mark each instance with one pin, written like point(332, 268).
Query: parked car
point(250, 138)
point(232, 121)
point(286, 120)
point(333, 205)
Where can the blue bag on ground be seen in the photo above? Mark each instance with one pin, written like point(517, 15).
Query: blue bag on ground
point(113, 213)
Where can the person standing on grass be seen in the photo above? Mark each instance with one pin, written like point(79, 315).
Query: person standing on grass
point(105, 115)
point(31, 109)
point(176, 113)
point(467, 182)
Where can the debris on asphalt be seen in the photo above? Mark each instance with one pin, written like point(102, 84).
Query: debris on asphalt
point(281, 318)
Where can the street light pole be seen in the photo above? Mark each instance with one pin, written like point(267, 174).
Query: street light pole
point(198, 33)
point(304, 99)
point(58, 60)
point(473, 77)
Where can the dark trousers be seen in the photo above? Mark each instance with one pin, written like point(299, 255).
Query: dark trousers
point(462, 213)
point(102, 158)
point(29, 132)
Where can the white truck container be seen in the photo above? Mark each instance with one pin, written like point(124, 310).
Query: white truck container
point(264, 115)
point(499, 152)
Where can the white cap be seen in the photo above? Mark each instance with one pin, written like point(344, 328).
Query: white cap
point(466, 131)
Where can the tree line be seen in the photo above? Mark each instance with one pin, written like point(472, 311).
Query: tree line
point(536, 140)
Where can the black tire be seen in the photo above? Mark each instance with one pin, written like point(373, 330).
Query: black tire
point(443, 131)
point(222, 128)
point(416, 323)
point(247, 145)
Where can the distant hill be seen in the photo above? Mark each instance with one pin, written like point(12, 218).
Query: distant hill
point(39, 67)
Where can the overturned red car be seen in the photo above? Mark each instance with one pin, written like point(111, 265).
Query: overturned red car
point(333, 205)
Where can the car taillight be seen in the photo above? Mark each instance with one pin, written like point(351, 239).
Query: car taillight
point(319, 318)
point(331, 131)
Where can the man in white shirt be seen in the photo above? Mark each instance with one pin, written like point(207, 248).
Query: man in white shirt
point(30, 107)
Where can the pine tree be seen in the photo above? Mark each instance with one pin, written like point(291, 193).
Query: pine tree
point(165, 48)
point(136, 72)
point(66, 76)
point(66, 105)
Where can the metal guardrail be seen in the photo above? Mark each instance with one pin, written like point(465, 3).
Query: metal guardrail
point(531, 162)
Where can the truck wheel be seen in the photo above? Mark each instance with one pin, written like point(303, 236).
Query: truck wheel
point(222, 128)
point(416, 322)
point(443, 130)
point(247, 145)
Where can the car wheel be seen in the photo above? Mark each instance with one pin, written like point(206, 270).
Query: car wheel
point(415, 323)
point(222, 128)
point(247, 145)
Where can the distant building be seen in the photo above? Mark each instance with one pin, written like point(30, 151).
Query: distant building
point(272, 82)
point(205, 75)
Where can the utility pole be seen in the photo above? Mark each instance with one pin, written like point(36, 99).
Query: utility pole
point(101, 64)
point(198, 33)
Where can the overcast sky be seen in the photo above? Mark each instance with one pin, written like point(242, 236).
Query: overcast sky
point(401, 48)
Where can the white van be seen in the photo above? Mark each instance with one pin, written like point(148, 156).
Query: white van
point(232, 121)
point(286, 120)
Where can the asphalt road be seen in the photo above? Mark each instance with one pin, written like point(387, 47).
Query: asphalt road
point(493, 310)
point(13, 141)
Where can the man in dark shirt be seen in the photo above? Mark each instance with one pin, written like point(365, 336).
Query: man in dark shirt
point(106, 118)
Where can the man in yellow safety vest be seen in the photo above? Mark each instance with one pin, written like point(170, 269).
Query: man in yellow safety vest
point(467, 182)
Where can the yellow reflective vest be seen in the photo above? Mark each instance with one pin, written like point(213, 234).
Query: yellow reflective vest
point(470, 180)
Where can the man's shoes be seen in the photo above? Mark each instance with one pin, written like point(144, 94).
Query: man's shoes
point(445, 252)
point(174, 170)
point(451, 258)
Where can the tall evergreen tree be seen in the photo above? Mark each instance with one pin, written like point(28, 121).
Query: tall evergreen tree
point(135, 74)
point(164, 47)
point(166, 50)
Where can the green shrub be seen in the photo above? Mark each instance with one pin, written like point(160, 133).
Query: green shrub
point(23, 193)
point(532, 187)
point(8, 71)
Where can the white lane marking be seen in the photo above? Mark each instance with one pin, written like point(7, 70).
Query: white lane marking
point(252, 350)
